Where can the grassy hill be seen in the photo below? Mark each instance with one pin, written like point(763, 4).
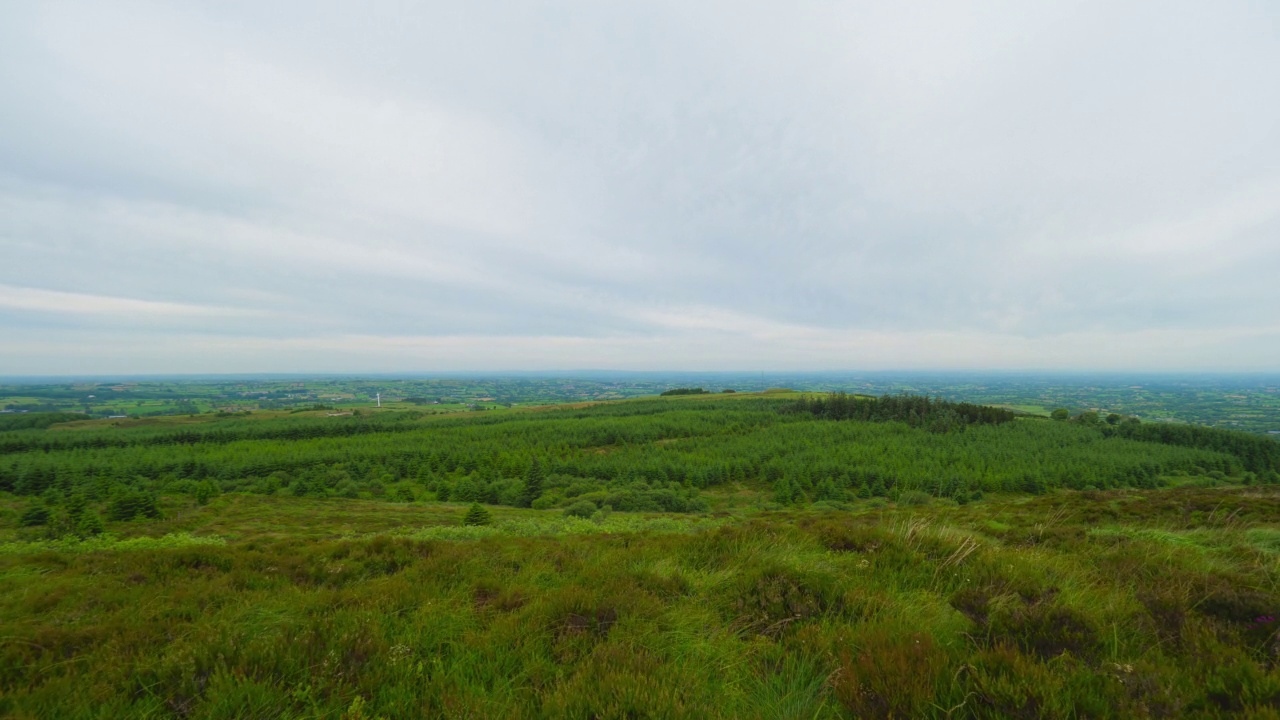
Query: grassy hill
point(692, 556)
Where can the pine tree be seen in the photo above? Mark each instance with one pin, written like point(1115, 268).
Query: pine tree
point(826, 490)
point(476, 515)
point(37, 514)
point(783, 492)
point(878, 488)
point(90, 524)
point(532, 485)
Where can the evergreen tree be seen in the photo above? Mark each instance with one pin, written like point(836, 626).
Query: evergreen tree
point(532, 484)
point(77, 505)
point(37, 514)
point(826, 490)
point(783, 491)
point(131, 504)
point(89, 524)
point(878, 488)
point(476, 515)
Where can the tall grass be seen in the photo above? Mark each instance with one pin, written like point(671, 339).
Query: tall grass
point(1098, 604)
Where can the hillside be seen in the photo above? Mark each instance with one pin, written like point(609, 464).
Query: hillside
point(691, 556)
point(633, 455)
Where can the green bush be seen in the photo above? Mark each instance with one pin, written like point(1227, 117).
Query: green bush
point(205, 492)
point(914, 497)
point(545, 502)
point(581, 509)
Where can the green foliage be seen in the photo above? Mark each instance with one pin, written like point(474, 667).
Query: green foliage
point(36, 514)
point(915, 410)
point(1060, 414)
point(914, 497)
point(205, 491)
point(655, 455)
point(581, 509)
point(784, 492)
point(476, 515)
point(105, 542)
point(89, 524)
point(131, 504)
point(1255, 453)
point(533, 481)
point(37, 421)
point(1105, 604)
point(1088, 417)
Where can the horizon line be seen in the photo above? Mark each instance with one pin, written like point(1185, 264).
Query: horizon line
point(608, 371)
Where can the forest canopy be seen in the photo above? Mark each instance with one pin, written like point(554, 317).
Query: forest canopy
point(637, 455)
point(937, 415)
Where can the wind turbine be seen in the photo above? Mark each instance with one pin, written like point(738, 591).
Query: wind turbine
point(379, 399)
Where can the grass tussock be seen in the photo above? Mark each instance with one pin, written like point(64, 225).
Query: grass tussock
point(1108, 604)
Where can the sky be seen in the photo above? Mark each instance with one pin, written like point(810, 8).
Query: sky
point(316, 186)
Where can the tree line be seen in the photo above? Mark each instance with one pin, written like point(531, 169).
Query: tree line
point(917, 411)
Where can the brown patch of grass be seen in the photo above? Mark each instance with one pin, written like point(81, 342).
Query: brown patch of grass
point(488, 596)
point(1004, 683)
point(889, 676)
point(1032, 621)
point(850, 538)
point(770, 601)
point(1047, 630)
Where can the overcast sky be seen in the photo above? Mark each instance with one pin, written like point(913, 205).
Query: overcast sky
point(405, 186)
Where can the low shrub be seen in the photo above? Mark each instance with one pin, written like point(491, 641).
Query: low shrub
point(1045, 629)
point(914, 497)
point(890, 676)
point(581, 509)
point(770, 600)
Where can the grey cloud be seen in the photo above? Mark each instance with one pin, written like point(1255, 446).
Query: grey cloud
point(797, 183)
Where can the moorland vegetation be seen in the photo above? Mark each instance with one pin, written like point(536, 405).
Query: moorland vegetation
point(710, 555)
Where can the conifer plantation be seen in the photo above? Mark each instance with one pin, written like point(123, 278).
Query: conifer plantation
point(708, 555)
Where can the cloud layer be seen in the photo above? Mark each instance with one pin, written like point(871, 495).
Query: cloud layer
point(226, 187)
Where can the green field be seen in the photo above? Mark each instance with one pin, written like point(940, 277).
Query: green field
point(1241, 402)
point(696, 556)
